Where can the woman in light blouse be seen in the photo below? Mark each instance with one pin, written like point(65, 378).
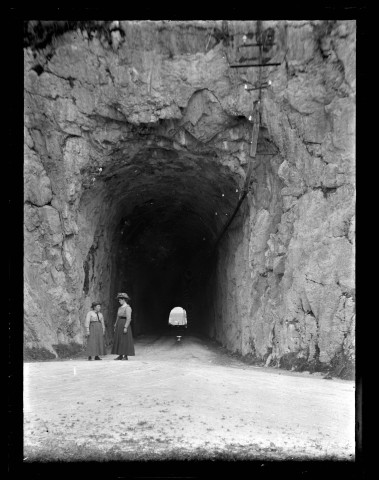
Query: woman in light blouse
point(123, 339)
point(95, 330)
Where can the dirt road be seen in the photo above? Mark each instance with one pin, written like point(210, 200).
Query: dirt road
point(182, 400)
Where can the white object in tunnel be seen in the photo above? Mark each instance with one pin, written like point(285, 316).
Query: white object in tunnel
point(178, 316)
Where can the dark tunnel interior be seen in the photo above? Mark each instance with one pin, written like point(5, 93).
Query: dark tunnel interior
point(165, 260)
point(166, 256)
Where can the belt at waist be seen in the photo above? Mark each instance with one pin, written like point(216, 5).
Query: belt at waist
point(121, 317)
point(91, 321)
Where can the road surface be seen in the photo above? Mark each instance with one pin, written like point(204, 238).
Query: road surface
point(183, 400)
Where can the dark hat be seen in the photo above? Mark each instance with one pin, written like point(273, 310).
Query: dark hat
point(93, 305)
point(123, 295)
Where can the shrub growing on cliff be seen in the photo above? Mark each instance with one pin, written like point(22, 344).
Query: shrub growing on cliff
point(33, 353)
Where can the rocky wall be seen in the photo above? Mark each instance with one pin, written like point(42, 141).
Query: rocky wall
point(295, 296)
point(118, 113)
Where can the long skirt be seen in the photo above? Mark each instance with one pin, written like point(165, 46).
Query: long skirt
point(95, 341)
point(123, 342)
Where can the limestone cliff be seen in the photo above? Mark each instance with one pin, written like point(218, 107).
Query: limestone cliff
point(137, 139)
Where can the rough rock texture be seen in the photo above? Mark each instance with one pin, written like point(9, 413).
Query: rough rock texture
point(136, 150)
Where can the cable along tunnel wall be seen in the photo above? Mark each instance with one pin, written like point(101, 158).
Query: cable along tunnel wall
point(133, 146)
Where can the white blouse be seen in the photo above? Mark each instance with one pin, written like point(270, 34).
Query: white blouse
point(125, 311)
point(92, 317)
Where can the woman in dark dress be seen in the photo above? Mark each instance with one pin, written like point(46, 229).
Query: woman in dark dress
point(95, 330)
point(123, 339)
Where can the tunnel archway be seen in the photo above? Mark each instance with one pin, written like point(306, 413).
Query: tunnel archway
point(159, 218)
point(157, 206)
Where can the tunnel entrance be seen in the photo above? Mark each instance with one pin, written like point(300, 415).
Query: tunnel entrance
point(162, 201)
point(165, 253)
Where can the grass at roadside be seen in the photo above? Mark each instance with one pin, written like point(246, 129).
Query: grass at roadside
point(151, 451)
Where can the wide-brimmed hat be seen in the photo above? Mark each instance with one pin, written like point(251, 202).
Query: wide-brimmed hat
point(123, 295)
point(93, 304)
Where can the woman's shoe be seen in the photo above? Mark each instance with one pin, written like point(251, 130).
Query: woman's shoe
point(98, 358)
point(125, 357)
point(119, 357)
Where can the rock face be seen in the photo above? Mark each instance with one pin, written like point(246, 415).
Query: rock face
point(137, 140)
